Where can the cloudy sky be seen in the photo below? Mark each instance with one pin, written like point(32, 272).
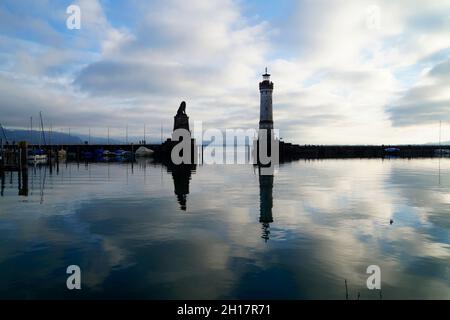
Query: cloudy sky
point(348, 71)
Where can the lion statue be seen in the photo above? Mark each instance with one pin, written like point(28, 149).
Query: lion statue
point(182, 108)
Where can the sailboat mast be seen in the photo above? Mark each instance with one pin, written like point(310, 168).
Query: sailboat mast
point(31, 130)
point(440, 127)
point(42, 128)
point(4, 134)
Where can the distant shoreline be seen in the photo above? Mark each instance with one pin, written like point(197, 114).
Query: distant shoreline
point(290, 151)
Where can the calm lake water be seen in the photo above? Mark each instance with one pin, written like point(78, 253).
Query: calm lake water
point(144, 231)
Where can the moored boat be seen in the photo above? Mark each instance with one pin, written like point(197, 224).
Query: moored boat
point(122, 153)
point(62, 154)
point(144, 152)
point(37, 156)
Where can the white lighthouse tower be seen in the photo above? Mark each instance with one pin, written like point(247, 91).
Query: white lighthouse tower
point(265, 109)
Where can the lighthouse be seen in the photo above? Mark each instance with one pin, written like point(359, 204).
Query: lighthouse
point(266, 146)
point(265, 108)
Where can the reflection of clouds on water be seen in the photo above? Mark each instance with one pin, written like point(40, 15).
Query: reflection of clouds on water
point(352, 215)
point(331, 220)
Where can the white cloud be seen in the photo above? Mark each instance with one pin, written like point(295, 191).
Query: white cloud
point(426, 103)
point(341, 68)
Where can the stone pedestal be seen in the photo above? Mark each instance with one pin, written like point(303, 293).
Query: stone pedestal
point(181, 121)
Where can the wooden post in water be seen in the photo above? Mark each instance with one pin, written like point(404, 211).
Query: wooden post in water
point(23, 168)
point(2, 181)
point(15, 162)
point(23, 154)
point(57, 155)
point(2, 157)
point(346, 290)
point(19, 173)
point(49, 158)
point(50, 164)
point(2, 172)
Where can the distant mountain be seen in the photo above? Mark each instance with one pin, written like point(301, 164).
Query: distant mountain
point(36, 137)
point(55, 137)
point(98, 140)
point(443, 143)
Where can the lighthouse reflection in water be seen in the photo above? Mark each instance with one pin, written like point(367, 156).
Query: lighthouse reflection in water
point(266, 203)
point(182, 176)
